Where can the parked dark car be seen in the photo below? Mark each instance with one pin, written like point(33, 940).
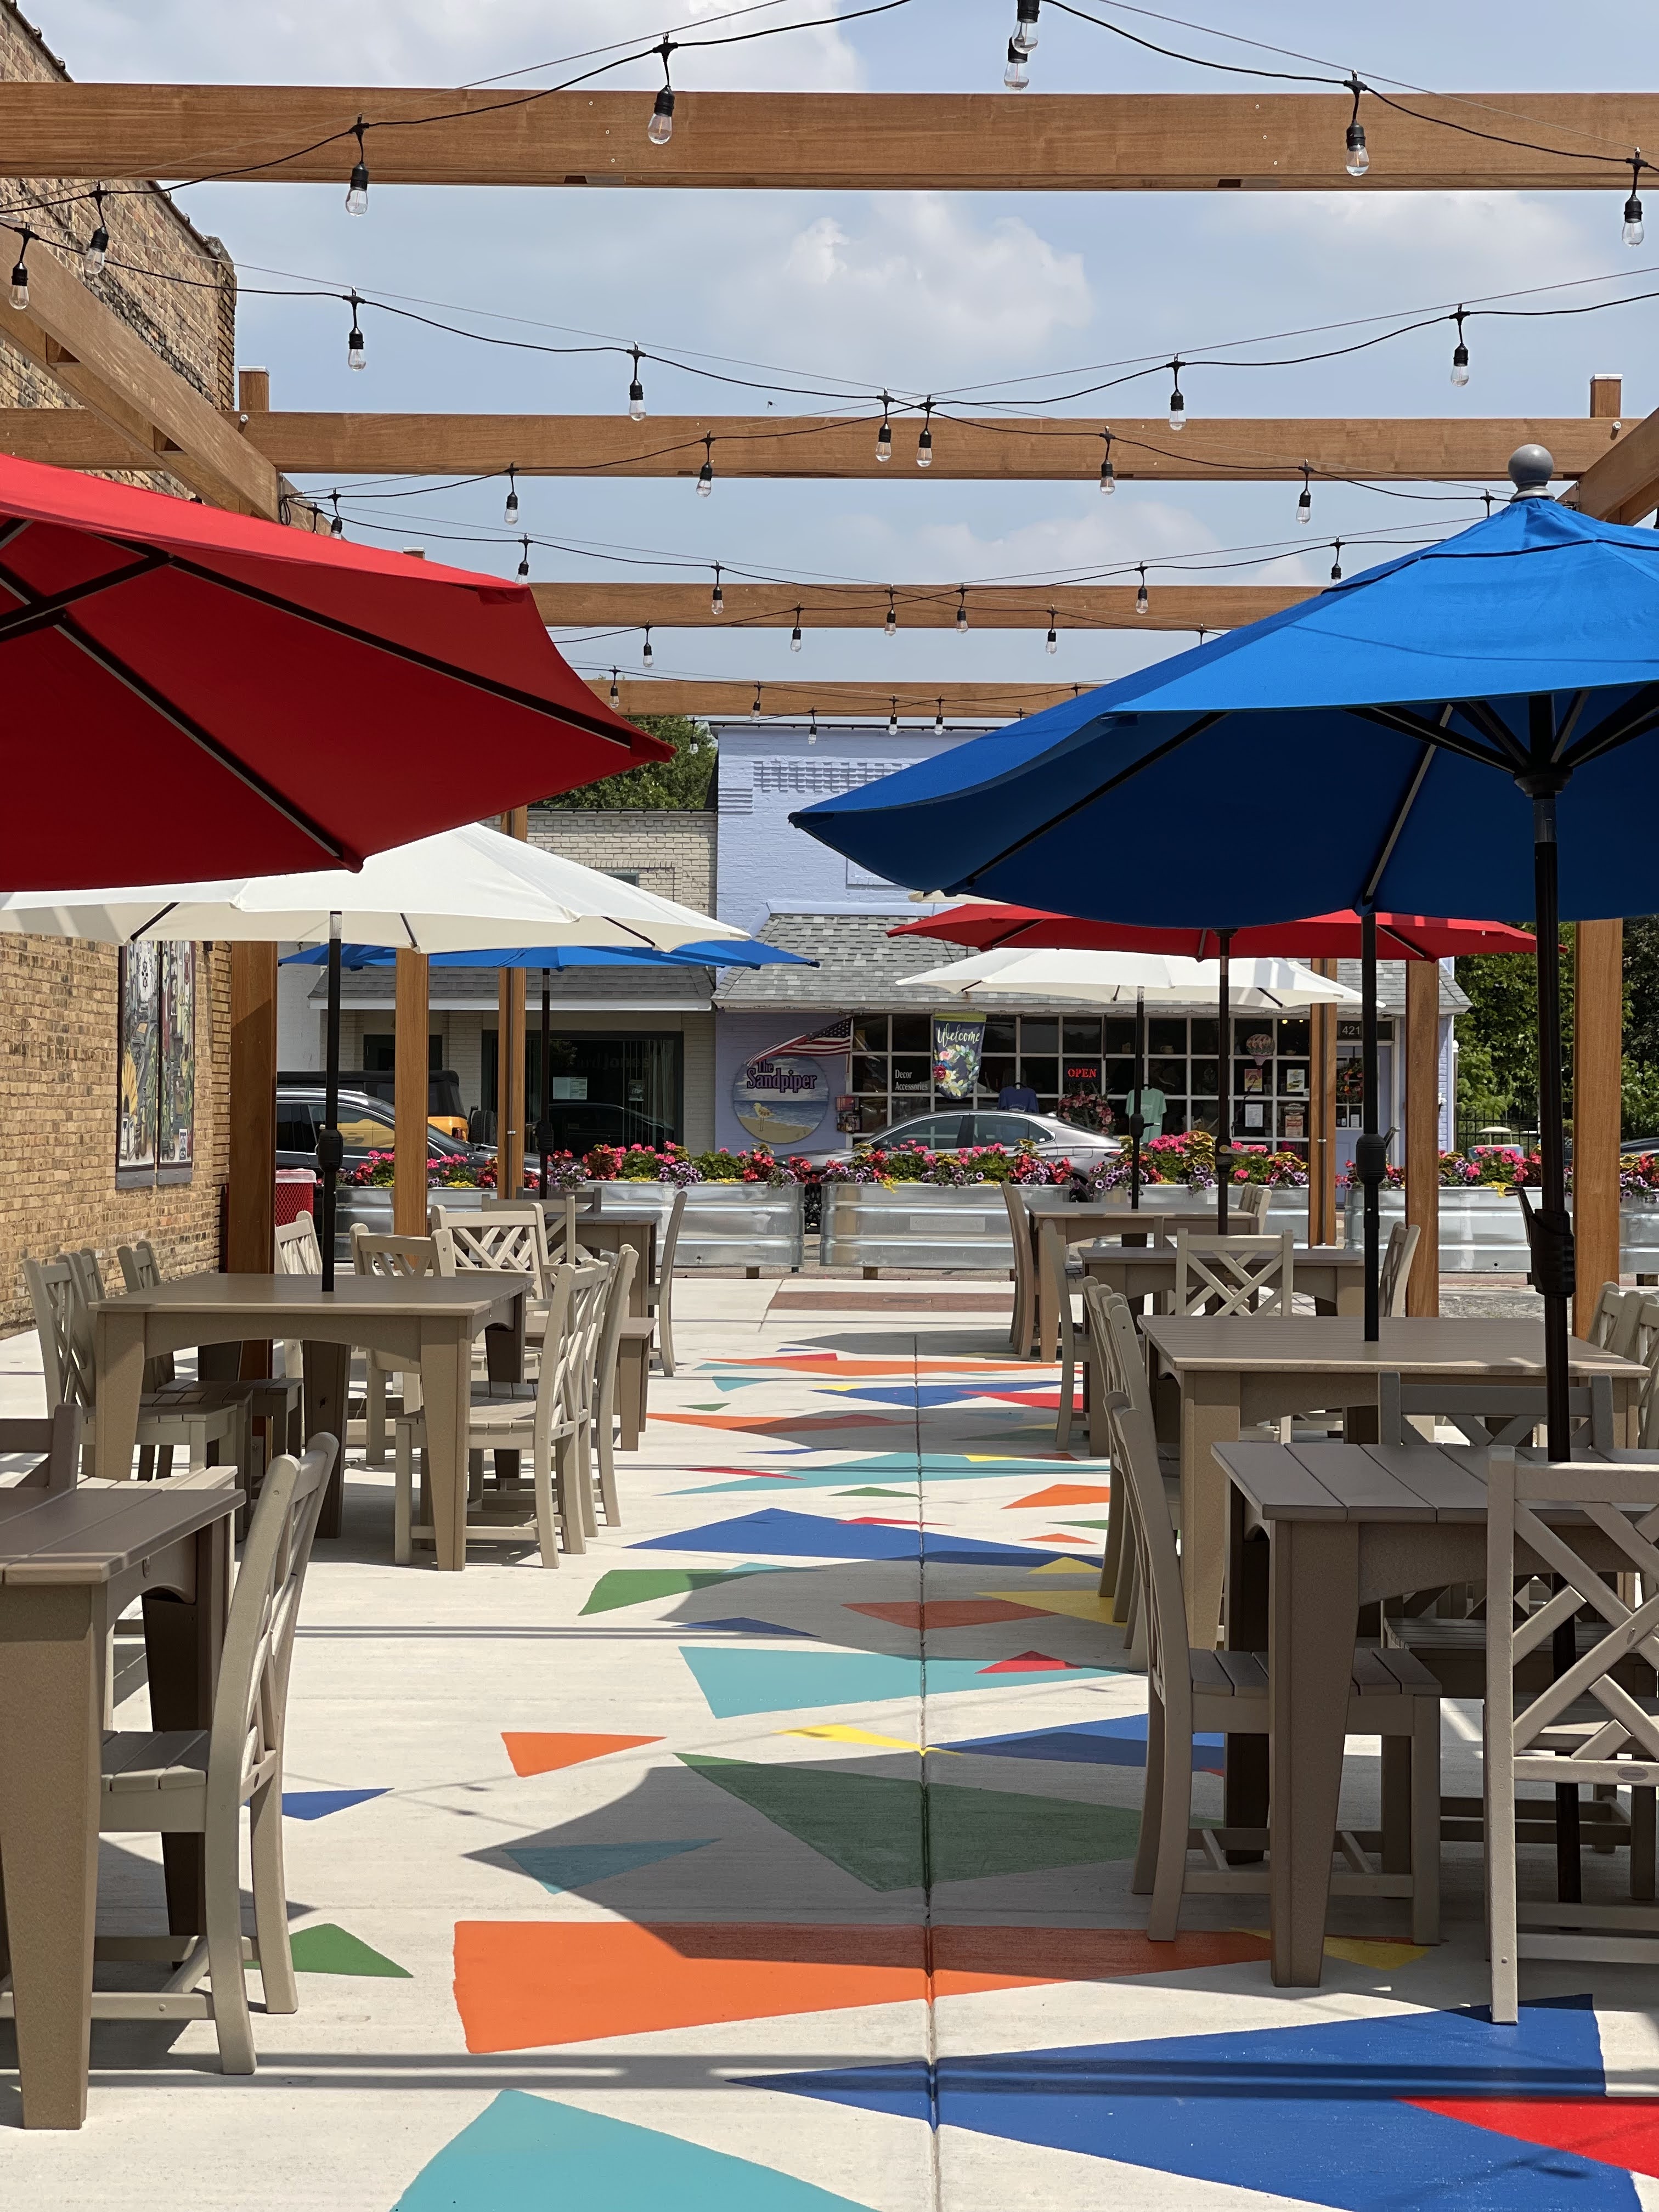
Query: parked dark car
point(443, 1090)
point(366, 1126)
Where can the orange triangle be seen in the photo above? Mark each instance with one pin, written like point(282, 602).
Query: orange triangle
point(1063, 1493)
point(522, 1984)
point(1617, 2130)
point(545, 1754)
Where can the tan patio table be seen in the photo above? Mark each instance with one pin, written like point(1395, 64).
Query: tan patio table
point(71, 1562)
point(1348, 1525)
point(1232, 1372)
point(430, 1323)
point(1332, 1275)
point(1135, 1225)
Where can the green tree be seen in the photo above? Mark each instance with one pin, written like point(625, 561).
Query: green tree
point(686, 780)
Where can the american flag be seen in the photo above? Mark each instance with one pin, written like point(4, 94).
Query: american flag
point(823, 1044)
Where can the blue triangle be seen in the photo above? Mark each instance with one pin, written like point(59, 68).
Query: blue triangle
point(813, 1536)
point(1090, 1743)
point(740, 1624)
point(559, 1866)
point(523, 2154)
point(317, 1804)
point(1315, 2112)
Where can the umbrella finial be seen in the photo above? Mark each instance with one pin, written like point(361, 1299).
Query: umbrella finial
point(1531, 468)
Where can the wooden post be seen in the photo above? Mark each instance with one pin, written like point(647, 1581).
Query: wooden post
point(1322, 1215)
point(1606, 397)
point(1598, 1042)
point(409, 1191)
point(253, 391)
point(251, 1223)
point(1423, 1131)
point(509, 1056)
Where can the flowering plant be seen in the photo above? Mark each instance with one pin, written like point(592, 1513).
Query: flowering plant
point(1393, 1178)
point(1086, 1109)
point(1638, 1175)
point(955, 1171)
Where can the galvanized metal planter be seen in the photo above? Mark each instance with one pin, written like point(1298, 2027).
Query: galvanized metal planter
point(918, 1225)
point(725, 1224)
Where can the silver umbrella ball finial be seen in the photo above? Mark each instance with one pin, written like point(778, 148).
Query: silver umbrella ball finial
point(1531, 468)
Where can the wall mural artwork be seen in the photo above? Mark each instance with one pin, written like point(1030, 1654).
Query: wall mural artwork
point(156, 1111)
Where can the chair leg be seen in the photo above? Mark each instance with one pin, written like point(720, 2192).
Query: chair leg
point(199, 1458)
point(1175, 1819)
point(1141, 1882)
point(666, 1324)
point(568, 1472)
point(1499, 1824)
point(145, 1462)
point(1067, 1386)
point(605, 1444)
point(547, 1524)
point(271, 1898)
point(1398, 1781)
point(1642, 1844)
point(224, 1937)
point(374, 1416)
point(583, 1451)
point(402, 1487)
point(1425, 1820)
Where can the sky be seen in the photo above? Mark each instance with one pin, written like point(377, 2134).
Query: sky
point(916, 292)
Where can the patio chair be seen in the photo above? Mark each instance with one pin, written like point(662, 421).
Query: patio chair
point(1613, 1319)
point(514, 1417)
point(58, 1438)
point(63, 1323)
point(410, 1257)
point(1121, 1366)
point(197, 1782)
point(298, 1252)
point(1230, 1275)
point(1492, 1413)
point(1394, 1270)
point(1193, 1692)
point(1588, 1727)
point(1250, 1205)
point(1075, 1348)
point(1022, 1328)
point(511, 1236)
point(1055, 1228)
point(608, 1380)
point(659, 1295)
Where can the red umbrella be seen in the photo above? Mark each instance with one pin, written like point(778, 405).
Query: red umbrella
point(194, 693)
point(1321, 936)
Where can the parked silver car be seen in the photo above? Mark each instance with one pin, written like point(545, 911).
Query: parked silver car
point(954, 1129)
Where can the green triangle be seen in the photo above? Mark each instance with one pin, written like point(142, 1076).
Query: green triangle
point(624, 1586)
point(870, 1491)
point(871, 1826)
point(326, 1949)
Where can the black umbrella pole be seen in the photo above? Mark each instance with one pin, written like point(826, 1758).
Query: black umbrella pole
point(1225, 1073)
point(1137, 1119)
point(544, 1121)
point(330, 1149)
point(1553, 1268)
point(1370, 1153)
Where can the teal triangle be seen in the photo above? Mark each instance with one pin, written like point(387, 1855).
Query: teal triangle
point(559, 1866)
point(735, 1682)
point(523, 2154)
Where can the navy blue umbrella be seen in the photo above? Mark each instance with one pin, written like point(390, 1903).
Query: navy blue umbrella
point(1419, 736)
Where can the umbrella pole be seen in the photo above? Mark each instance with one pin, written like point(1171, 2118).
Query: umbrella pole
point(1551, 1226)
point(1370, 1153)
point(330, 1149)
point(1137, 1119)
point(543, 1121)
point(1224, 1074)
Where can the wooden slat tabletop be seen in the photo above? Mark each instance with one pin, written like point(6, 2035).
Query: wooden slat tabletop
point(1422, 1483)
point(98, 1531)
point(287, 1298)
point(1512, 1350)
point(1150, 1255)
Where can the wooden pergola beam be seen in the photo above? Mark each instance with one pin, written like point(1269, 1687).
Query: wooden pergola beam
point(141, 412)
point(1249, 140)
point(918, 606)
point(1624, 484)
point(709, 697)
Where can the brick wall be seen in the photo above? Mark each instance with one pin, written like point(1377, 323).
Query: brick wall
point(58, 999)
point(673, 853)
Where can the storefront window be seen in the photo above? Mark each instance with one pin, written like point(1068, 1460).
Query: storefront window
point(620, 1089)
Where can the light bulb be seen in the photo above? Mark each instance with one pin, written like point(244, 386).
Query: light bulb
point(892, 720)
point(1107, 477)
point(1633, 232)
point(1178, 410)
point(510, 511)
point(20, 285)
point(97, 252)
point(1025, 29)
point(356, 201)
point(1142, 603)
point(1336, 565)
point(1304, 504)
point(660, 128)
point(891, 623)
point(706, 473)
point(962, 616)
point(1359, 161)
point(938, 721)
point(794, 635)
point(1016, 75)
point(1460, 367)
point(754, 711)
point(524, 564)
point(356, 355)
point(813, 727)
point(646, 653)
point(925, 449)
point(337, 527)
point(717, 597)
point(636, 401)
point(1051, 643)
point(616, 695)
point(884, 440)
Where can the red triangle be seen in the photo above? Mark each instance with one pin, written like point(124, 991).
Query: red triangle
point(876, 1521)
point(1618, 2131)
point(1058, 1537)
point(1029, 1662)
point(545, 1754)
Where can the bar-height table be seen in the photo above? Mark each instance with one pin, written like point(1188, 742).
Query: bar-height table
point(71, 1561)
point(430, 1323)
point(1232, 1372)
point(1332, 1275)
point(1133, 1225)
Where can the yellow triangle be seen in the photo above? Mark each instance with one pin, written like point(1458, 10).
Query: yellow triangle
point(838, 1732)
point(1082, 1604)
point(1359, 1951)
point(1066, 1567)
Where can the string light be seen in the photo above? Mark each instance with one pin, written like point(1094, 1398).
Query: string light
point(97, 249)
point(1141, 601)
point(811, 726)
point(1025, 25)
point(524, 564)
point(337, 527)
point(1486, 495)
point(1177, 403)
point(794, 635)
point(357, 190)
point(356, 355)
point(616, 695)
point(884, 435)
point(1460, 367)
point(1356, 157)
point(925, 442)
point(891, 625)
point(1108, 473)
point(510, 511)
point(1051, 643)
point(636, 390)
point(892, 719)
point(1015, 76)
point(706, 473)
point(961, 609)
point(938, 721)
point(717, 597)
point(20, 274)
point(660, 128)
point(1336, 561)
point(646, 653)
point(1304, 504)
point(1633, 233)
point(754, 711)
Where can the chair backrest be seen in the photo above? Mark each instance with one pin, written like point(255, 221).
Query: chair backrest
point(140, 1268)
point(1250, 1205)
point(58, 1438)
point(1234, 1274)
point(298, 1252)
point(1051, 1248)
point(590, 1285)
point(671, 1236)
point(1493, 1415)
point(612, 1315)
point(402, 1256)
point(510, 1237)
point(250, 1700)
point(1118, 1345)
point(64, 1330)
point(1393, 1274)
point(1641, 1344)
point(1134, 1459)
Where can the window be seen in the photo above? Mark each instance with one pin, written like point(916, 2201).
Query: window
point(295, 1130)
point(362, 1130)
point(1007, 1129)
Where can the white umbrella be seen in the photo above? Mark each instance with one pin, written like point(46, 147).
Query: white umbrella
point(1117, 979)
point(466, 889)
point(1122, 979)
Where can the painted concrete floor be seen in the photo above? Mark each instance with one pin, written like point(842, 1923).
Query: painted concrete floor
point(774, 1857)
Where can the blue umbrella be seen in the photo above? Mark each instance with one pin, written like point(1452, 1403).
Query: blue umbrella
point(1407, 729)
point(722, 952)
